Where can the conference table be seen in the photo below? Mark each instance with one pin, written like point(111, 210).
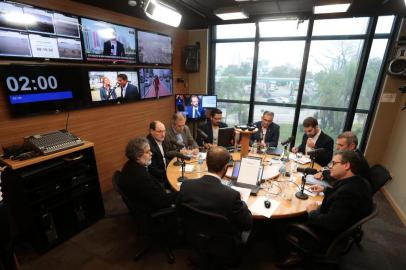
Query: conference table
point(277, 188)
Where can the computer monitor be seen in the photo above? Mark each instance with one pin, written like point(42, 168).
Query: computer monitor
point(191, 106)
point(226, 137)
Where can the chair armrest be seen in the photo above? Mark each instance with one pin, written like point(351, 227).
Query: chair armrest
point(164, 212)
point(303, 237)
point(304, 229)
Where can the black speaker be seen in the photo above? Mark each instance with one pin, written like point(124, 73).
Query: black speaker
point(192, 58)
point(397, 66)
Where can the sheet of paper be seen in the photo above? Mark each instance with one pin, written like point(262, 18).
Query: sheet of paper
point(302, 160)
point(271, 171)
point(249, 171)
point(258, 207)
point(245, 192)
point(310, 180)
point(188, 168)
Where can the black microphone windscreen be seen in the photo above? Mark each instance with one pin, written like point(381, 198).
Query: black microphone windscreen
point(172, 154)
point(307, 170)
point(178, 144)
point(288, 140)
point(203, 134)
point(315, 152)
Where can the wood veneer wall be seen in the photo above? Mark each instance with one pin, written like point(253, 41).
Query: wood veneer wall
point(109, 127)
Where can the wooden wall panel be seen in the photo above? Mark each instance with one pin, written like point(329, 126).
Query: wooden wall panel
point(109, 127)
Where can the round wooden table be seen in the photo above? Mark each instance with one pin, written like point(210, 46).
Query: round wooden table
point(278, 188)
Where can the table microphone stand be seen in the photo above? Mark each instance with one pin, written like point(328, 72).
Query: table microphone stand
point(312, 157)
point(177, 162)
point(182, 178)
point(300, 194)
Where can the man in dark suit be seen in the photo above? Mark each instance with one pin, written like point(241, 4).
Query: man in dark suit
point(209, 194)
point(211, 129)
point(138, 184)
point(128, 90)
point(195, 110)
point(348, 141)
point(268, 131)
point(113, 46)
point(156, 137)
point(343, 205)
point(315, 138)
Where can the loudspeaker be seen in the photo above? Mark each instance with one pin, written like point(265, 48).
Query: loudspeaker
point(192, 58)
point(397, 66)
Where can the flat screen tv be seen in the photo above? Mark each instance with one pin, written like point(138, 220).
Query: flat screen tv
point(191, 106)
point(30, 32)
point(107, 42)
point(154, 48)
point(36, 89)
point(107, 86)
point(155, 82)
point(209, 101)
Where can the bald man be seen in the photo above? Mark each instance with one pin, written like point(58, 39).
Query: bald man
point(156, 138)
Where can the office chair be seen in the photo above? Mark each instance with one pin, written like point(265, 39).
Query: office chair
point(379, 177)
point(308, 241)
point(211, 236)
point(151, 227)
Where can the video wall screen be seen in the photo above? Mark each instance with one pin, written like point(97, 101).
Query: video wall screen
point(31, 32)
point(113, 85)
point(155, 82)
point(154, 48)
point(107, 42)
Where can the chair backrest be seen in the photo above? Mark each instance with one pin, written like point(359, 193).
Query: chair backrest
point(336, 244)
point(379, 176)
point(209, 233)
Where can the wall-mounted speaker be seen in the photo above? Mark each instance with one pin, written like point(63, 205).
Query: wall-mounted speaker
point(397, 66)
point(192, 58)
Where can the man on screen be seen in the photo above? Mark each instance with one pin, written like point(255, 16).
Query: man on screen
point(113, 46)
point(195, 110)
point(156, 84)
point(128, 90)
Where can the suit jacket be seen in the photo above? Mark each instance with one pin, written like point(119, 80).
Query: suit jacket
point(104, 95)
point(131, 92)
point(107, 48)
point(189, 112)
point(157, 167)
point(209, 194)
point(144, 189)
point(271, 136)
point(347, 202)
point(324, 141)
point(207, 128)
point(171, 136)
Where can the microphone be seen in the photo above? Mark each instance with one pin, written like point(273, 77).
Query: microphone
point(177, 144)
point(174, 153)
point(316, 152)
point(288, 140)
point(307, 170)
point(203, 134)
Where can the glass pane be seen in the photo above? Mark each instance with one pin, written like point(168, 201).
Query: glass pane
point(384, 24)
point(330, 122)
point(283, 117)
point(358, 125)
point(243, 30)
point(331, 72)
point(279, 64)
point(371, 73)
point(234, 113)
point(283, 28)
point(347, 26)
point(234, 70)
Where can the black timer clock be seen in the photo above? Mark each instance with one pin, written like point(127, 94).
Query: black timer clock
point(35, 89)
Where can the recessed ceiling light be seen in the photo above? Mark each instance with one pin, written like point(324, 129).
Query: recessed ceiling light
point(334, 8)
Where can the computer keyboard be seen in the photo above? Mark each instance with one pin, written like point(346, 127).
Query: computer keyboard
point(53, 142)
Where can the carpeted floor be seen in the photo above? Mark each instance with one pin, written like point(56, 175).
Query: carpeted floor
point(110, 244)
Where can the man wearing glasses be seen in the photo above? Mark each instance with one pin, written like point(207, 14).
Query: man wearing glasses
point(343, 205)
point(158, 164)
point(268, 131)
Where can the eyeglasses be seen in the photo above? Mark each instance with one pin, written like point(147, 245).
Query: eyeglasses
point(332, 163)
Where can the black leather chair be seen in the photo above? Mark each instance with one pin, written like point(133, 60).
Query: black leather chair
point(211, 236)
point(308, 241)
point(151, 227)
point(379, 177)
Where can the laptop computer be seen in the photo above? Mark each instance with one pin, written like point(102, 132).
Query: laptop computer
point(247, 173)
point(226, 136)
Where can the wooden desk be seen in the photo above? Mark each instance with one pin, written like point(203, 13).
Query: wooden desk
point(287, 208)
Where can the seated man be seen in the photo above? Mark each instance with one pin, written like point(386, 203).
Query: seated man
point(156, 137)
point(209, 194)
point(211, 129)
point(315, 138)
point(347, 141)
point(268, 131)
point(138, 184)
point(179, 136)
point(346, 203)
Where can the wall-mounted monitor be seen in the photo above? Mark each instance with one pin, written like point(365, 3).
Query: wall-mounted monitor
point(35, 89)
point(191, 106)
point(31, 32)
point(155, 82)
point(113, 86)
point(209, 101)
point(154, 48)
point(107, 42)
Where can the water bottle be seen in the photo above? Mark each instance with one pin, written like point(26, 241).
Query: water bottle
point(282, 169)
point(254, 147)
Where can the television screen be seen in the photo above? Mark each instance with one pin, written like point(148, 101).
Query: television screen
point(155, 82)
point(108, 42)
point(209, 101)
point(33, 89)
point(191, 106)
point(154, 48)
point(31, 32)
point(109, 85)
